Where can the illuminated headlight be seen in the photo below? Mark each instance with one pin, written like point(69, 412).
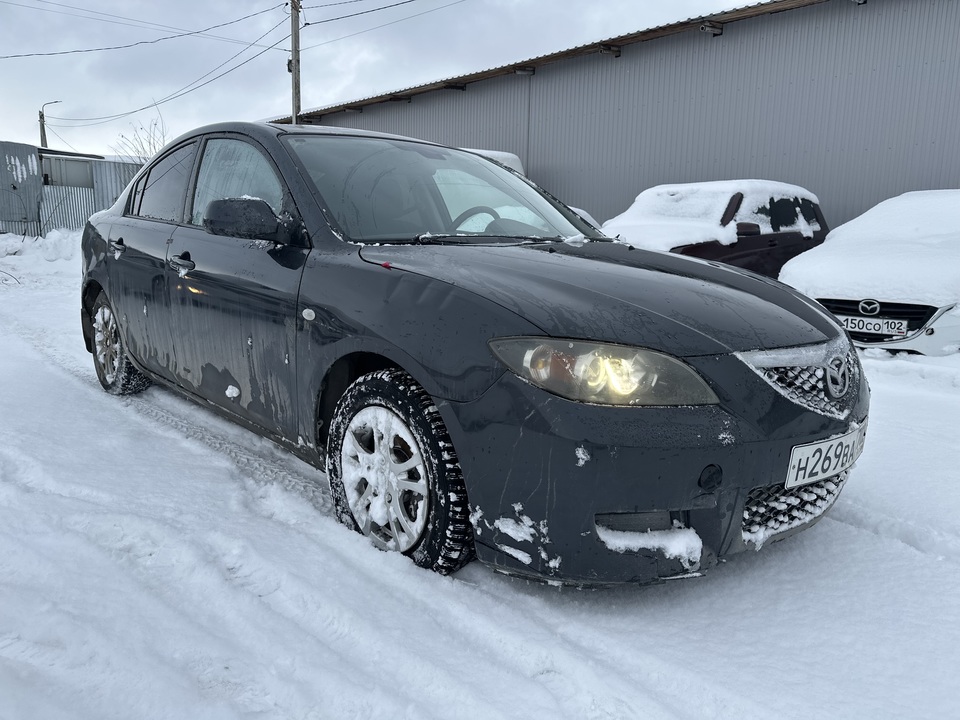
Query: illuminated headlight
point(603, 374)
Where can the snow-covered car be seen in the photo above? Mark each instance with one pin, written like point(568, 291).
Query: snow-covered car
point(754, 224)
point(892, 275)
point(478, 371)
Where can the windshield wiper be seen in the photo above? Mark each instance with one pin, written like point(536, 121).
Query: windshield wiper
point(535, 238)
point(429, 238)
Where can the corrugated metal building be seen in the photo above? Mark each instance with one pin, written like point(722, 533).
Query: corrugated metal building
point(857, 101)
point(43, 189)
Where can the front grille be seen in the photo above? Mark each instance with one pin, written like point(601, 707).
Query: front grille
point(774, 509)
point(917, 316)
point(806, 386)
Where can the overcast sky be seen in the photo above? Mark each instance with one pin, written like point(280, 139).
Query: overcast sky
point(383, 49)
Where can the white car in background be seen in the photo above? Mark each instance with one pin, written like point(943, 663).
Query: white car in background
point(892, 275)
point(754, 224)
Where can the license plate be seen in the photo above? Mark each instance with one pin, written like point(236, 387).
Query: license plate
point(823, 459)
point(873, 326)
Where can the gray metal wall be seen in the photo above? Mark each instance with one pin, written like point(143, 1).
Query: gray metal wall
point(855, 102)
point(21, 185)
point(66, 207)
point(29, 207)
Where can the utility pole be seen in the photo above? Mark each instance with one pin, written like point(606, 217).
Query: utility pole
point(294, 66)
point(43, 128)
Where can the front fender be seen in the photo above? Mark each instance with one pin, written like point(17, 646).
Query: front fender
point(435, 331)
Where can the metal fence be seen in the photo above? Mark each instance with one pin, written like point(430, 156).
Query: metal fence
point(65, 208)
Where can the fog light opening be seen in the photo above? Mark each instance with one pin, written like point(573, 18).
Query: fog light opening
point(711, 478)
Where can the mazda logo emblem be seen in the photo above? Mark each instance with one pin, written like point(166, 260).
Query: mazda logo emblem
point(838, 377)
point(869, 307)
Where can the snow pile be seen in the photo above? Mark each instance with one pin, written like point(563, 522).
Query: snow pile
point(667, 216)
point(56, 245)
point(905, 249)
point(680, 543)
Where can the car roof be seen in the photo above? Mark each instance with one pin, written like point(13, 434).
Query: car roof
point(264, 131)
point(729, 187)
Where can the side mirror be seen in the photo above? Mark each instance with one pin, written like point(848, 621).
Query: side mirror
point(747, 229)
point(249, 218)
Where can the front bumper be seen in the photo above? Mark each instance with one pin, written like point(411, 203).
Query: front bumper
point(583, 494)
point(937, 334)
point(940, 336)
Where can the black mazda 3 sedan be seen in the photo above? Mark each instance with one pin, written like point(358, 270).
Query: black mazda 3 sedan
point(479, 372)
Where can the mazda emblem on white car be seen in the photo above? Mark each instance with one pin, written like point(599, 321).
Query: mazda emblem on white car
point(869, 307)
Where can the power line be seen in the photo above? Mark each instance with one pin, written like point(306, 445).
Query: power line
point(377, 27)
point(362, 12)
point(87, 122)
point(61, 138)
point(186, 89)
point(133, 22)
point(189, 88)
point(142, 42)
point(342, 2)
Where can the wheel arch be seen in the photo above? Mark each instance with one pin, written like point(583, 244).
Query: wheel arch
point(340, 375)
point(88, 297)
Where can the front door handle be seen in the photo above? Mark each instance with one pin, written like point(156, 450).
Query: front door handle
point(182, 263)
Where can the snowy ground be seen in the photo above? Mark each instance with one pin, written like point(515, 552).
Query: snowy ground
point(158, 562)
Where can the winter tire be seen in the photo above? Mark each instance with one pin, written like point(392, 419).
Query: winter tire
point(115, 372)
point(393, 472)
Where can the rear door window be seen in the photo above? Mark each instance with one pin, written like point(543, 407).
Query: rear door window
point(780, 214)
point(161, 192)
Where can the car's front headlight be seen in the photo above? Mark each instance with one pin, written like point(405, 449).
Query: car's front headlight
point(603, 374)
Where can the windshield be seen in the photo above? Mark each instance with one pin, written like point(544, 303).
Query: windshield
point(386, 190)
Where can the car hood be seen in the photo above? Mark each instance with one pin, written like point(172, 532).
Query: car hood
point(916, 271)
point(904, 249)
point(613, 293)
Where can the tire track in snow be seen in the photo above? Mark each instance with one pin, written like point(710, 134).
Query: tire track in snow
point(143, 543)
point(274, 466)
point(22, 472)
point(335, 638)
point(925, 539)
